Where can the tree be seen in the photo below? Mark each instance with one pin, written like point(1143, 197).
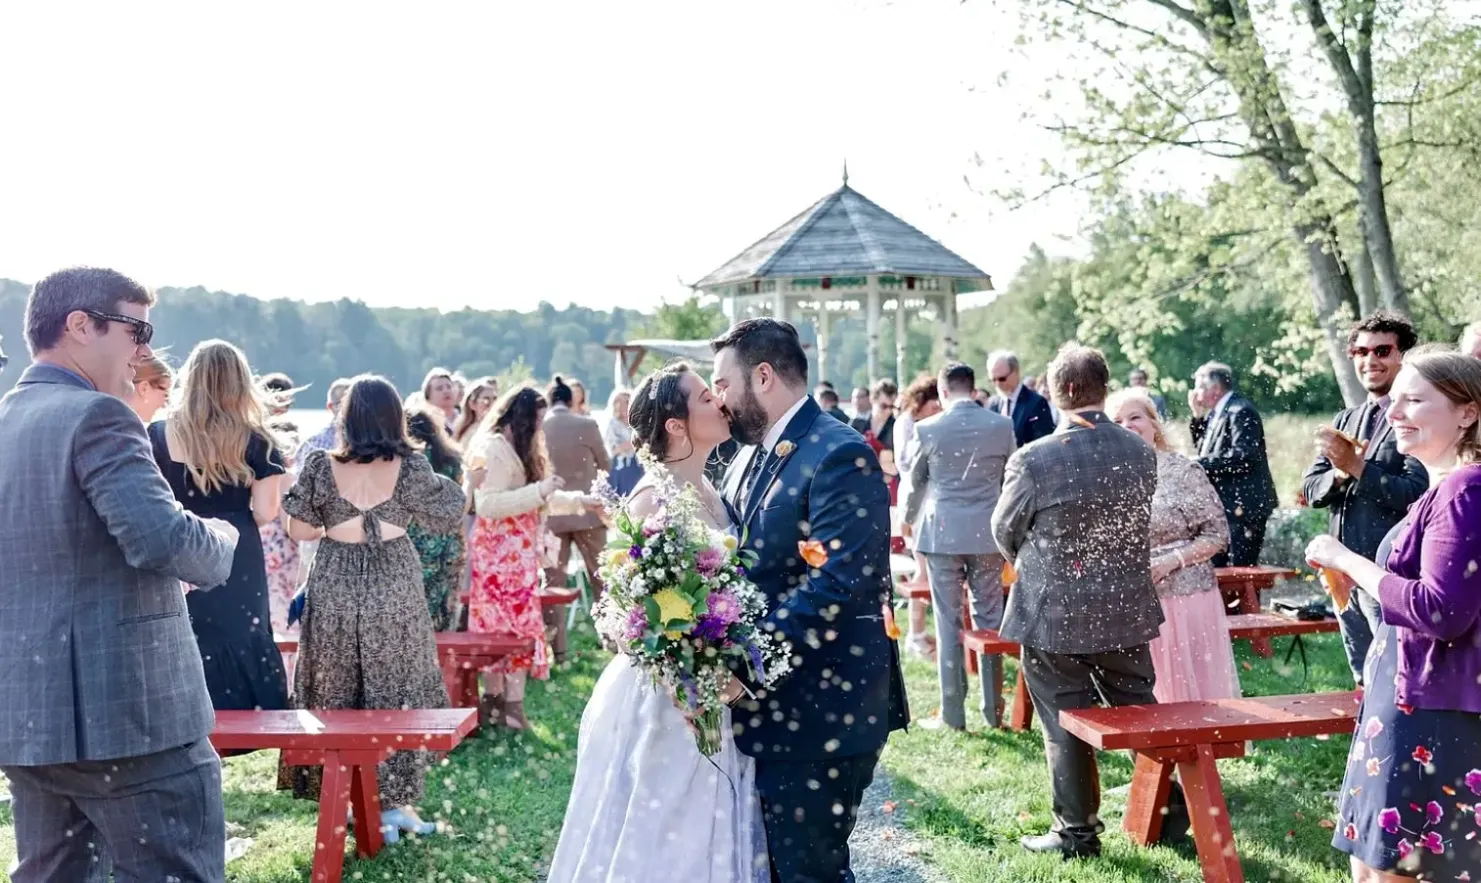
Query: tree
point(1198, 75)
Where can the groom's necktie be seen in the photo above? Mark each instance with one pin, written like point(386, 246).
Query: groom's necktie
point(753, 470)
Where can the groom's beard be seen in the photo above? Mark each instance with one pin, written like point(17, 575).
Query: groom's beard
point(748, 421)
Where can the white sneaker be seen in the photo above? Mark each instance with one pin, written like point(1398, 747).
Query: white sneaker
point(237, 847)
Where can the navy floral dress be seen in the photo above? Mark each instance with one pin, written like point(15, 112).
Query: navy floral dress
point(1411, 797)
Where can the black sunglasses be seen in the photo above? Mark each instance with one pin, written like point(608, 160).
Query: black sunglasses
point(143, 331)
point(1382, 351)
point(1003, 379)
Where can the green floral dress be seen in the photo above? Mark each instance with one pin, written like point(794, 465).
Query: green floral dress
point(443, 559)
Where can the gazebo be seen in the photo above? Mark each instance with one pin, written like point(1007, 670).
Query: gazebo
point(842, 254)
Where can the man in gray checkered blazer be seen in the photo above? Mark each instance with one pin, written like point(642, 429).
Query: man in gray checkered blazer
point(1074, 517)
point(104, 715)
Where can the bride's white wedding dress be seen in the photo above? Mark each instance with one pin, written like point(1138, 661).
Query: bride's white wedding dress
point(646, 805)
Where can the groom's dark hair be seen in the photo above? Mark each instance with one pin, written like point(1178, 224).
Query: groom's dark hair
point(768, 340)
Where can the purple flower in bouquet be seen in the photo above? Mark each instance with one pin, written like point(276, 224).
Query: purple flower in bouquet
point(635, 553)
point(710, 560)
point(758, 665)
point(724, 606)
point(710, 627)
point(637, 624)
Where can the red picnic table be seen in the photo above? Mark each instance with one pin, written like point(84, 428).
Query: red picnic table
point(348, 745)
point(1242, 587)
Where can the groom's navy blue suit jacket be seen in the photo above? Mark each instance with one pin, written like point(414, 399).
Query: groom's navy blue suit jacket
point(845, 693)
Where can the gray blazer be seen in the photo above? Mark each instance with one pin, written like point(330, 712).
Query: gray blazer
point(956, 477)
point(1075, 516)
point(97, 657)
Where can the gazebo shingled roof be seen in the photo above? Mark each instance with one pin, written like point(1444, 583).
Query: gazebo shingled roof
point(843, 234)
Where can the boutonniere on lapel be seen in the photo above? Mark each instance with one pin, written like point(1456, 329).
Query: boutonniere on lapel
point(784, 449)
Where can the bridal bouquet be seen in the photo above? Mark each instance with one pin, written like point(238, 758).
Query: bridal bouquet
point(678, 602)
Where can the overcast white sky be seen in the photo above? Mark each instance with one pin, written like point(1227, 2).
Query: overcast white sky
point(495, 154)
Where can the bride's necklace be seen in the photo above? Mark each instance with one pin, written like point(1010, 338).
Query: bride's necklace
point(716, 510)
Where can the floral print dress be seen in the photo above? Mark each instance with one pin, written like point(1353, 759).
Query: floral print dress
point(506, 553)
point(442, 554)
point(1411, 798)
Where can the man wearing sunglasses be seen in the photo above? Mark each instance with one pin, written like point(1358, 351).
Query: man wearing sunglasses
point(104, 714)
point(1368, 486)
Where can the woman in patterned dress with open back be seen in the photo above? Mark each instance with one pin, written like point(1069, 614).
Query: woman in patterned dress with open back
point(513, 492)
point(366, 637)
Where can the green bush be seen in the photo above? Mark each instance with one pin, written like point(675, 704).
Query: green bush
point(1288, 532)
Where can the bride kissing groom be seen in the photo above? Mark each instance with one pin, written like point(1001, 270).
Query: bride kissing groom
point(779, 801)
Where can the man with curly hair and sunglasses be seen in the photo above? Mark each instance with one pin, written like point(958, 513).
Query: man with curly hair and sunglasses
point(1359, 474)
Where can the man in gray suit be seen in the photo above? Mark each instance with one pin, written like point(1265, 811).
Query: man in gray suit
point(956, 476)
point(104, 714)
point(1074, 515)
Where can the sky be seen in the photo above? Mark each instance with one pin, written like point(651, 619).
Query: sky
point(499, 154)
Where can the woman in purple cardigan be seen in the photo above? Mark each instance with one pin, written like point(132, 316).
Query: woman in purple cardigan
point(1409, 801)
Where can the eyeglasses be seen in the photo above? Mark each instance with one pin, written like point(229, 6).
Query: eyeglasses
point(1003, 379)
point(143, 331)
point(1382, 351)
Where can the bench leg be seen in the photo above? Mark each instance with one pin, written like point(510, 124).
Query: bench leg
point(1151, 785)
point(334, 803)
point(1022, 716)
point(1210, 815)
point(365, 801)
point(1249, 602)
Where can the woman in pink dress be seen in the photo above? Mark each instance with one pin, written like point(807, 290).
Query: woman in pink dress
point(1192, 655)
point(513, 492)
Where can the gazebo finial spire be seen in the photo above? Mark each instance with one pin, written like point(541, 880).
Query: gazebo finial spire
point(845, 171)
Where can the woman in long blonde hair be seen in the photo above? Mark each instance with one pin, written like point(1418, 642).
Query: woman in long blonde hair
point(223, 461)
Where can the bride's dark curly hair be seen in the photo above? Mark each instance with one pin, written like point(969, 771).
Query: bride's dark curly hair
point(659, 399)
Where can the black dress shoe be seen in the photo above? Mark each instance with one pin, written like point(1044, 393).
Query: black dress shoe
point(1068, 847)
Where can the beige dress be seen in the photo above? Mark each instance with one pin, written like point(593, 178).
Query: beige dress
point(1192, 654)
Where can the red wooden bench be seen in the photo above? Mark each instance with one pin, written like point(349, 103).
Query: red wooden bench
point(1253, 626)
point(1242, 587)
point(462, 656)
point(348, 745)
point(986, 642)
point(1192, 736)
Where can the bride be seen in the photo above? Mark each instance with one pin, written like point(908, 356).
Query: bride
point(646, 805)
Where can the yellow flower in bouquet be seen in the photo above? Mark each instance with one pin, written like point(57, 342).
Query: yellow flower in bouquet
point(617, 557)
point(729, 542)
point(671, 606)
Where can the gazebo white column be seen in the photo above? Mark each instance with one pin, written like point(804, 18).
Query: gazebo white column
point(871, 326)
point(900, 329)
point(732, 307)
point(822, 327)
point(779, 303)
point(948, 322)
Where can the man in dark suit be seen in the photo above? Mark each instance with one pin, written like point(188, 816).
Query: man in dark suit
point(1074, 516)
point(827, 398)
point(1230, 438)
point(804, 478)
point(1030, 412)
point(104, 714)
point(1368, 490)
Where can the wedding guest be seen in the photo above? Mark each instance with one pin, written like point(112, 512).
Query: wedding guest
point(104, 738)
point(878, 422)
point(981, 396)
point(222, 460)
point(440, 550)
point(617, 436)
point(151, 387)
point(439, 391)
point(828, 401)
point(1470, 340)
point(280, 392)
point(921, 401)
point(859, 402)
point(513, 491)
point(579, 404)
point(1192, 655)
point(1138, 380)
point(1404, 810)
point(1032, 416)
point(1230, 438)
point(955, 478)
point(476, 406)
point(280, 552)
point(326, 439)
point(366, 637)
point(1369, 490)
point(576, 454)
point(1073, 518)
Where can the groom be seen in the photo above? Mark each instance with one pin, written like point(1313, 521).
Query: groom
point(809, 496)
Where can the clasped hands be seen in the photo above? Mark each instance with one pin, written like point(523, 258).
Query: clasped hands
point(1339, 449)
point(548, 486)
